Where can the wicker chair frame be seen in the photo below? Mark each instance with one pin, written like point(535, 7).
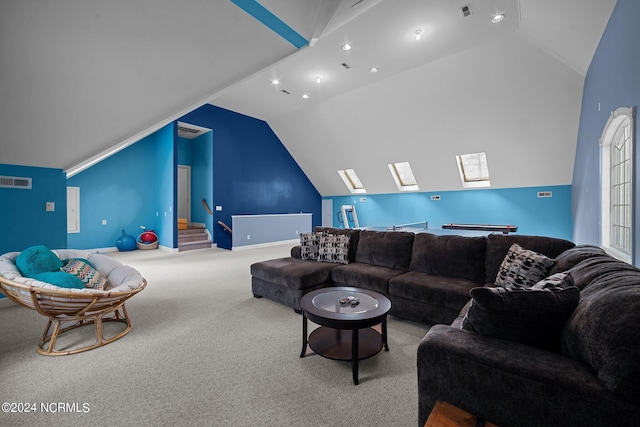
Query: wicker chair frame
point(69, 310)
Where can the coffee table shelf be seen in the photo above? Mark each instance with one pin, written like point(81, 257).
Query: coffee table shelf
point(337, 344)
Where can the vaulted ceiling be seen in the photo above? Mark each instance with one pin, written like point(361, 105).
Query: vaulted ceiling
point(79, 78)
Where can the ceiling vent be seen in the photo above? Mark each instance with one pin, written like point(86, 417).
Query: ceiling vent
point(345, 65)
point(15, 182)
point(465, 10)
point(286, 92)
point(189, 131)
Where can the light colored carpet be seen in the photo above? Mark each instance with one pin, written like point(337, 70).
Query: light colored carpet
point(204, 352)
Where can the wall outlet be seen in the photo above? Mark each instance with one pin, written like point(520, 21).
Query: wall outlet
point(248, 236)
point(50, 206)
point(218, 208)
point(435, 197)
point(104, 222)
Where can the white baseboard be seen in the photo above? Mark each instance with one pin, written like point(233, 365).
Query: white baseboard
point(265, 245)
point(103, 250)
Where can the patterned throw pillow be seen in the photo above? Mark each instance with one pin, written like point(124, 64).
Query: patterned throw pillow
point(522, 268)
point(555, 282)
point(310, 245)
point(334, 248)
point(83, 270)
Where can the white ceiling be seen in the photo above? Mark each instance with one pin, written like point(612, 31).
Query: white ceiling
point(79, 77)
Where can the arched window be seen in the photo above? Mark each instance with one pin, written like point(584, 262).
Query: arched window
point(617, 166)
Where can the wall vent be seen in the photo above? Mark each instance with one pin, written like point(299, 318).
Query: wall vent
point(15, 182)
point(435, 197)
point(185, 129)
point(465, 10)
point(545, 194)
point(189, 131)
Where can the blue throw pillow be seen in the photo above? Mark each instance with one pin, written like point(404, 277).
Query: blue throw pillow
point(37, 259)
point(61, 279)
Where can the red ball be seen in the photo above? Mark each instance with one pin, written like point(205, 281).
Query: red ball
point(148, 237)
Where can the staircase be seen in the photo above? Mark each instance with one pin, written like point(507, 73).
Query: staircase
point(193, 237)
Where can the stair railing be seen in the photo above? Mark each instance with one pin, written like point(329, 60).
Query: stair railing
point(206, 206)
point(225, 226)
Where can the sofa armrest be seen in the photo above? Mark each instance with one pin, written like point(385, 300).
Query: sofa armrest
point(509, 383)
point(296, 252)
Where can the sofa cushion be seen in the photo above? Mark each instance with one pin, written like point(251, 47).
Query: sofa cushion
point(334, 248)
point(37, 259)
point(310, 245)
point(440, 291)
point(366, 276)
point(604, 330)
point(569, 258)
point(293, 272)
point(522, 268)
point(385, 248)
point(498, 245)
point(588, 271)
point(450, 255)
point(532, 316)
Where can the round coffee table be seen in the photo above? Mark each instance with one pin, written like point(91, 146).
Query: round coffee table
point(346, 327)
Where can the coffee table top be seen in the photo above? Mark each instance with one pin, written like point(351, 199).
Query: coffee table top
point(325, 304)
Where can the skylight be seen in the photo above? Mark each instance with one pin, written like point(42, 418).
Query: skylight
point(352, 181)
point(403, 176)
point(474, 170)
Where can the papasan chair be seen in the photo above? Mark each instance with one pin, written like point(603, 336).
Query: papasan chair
point(99, 298)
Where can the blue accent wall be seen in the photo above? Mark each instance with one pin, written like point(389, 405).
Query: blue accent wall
point(132, 188)
point(24, 221)
point(253, 173)
point(612, 81)
point(185, 151)
point(166, 176)
point(513, 206)
point(202, 180)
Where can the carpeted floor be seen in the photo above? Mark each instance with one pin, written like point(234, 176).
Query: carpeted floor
point(203, 352)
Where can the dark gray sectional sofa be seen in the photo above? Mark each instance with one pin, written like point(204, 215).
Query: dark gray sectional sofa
point(592, 380)
point(427, 277)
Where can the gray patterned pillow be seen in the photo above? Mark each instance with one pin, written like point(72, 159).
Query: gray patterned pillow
point(555, 282)
point(522, 268)
point(310, 245)
point(334, 248)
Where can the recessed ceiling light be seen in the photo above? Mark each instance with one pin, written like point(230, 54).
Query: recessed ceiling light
point(305, 96)
point(373, 69)
point(346, 46)
point(497, 18)
point(275, 81)
point(418, 34)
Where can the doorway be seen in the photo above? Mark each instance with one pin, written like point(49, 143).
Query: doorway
point(184, 192)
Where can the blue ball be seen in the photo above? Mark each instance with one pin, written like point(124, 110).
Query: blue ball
point(126, 242)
